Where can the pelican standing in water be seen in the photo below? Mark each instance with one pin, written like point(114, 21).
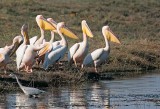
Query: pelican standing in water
point(101, 55)
point(58, 52)
point(79, 50)
point(29, 91)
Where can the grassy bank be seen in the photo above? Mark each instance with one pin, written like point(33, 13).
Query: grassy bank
point(135, 22)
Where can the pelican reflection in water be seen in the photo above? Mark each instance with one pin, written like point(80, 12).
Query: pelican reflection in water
point(89, 96)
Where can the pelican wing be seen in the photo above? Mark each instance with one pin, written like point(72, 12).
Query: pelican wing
point(55, 44)
point(38, 48)
point(72, 51)
point(47, 48)
point(55, 55)
point(33, 40)
point(19, 54)
point(91, 57)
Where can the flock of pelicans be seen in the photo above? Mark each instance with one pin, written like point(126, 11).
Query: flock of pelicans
point(36, 49)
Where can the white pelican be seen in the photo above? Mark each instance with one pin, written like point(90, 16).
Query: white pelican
point(43, 25)
point(54, 43)
point(58, 53)
point(7, 51)
point(29, 91)
point(51, 44)
point(5, 56)
point(79, 50)
point(25, 54)
point(101, 55)
point(41, 21)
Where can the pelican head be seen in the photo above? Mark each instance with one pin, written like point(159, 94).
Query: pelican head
point(8, 49)
point(44, 24)
point(109, 34)
point(24, 28)
point(17, 41)
point(52, 22)
point(86, 29)
point(63, 29)
point(60, 25)
point(24, 32)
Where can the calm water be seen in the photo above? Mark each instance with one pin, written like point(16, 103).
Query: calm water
point(133, 93)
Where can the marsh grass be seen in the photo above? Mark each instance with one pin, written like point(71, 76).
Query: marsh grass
point(135, 22)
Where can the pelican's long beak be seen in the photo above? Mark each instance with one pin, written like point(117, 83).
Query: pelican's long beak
point(68, 32)
point(86, 29)
point(16, 45)
point(111, 36)
point(64, 30)
point(45, 49)
point(44, 24)
point(17, 41)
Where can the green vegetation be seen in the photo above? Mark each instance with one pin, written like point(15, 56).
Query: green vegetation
point(136, 22)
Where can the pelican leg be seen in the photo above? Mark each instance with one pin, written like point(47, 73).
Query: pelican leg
point(26, 68)
point(5, 69)
point(22, 67)
point(29, 69)
point(82, 66)
point(95, 66)
point(96, 69)
point(75, 63)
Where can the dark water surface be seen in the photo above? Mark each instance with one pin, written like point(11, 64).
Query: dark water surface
point(133, 93)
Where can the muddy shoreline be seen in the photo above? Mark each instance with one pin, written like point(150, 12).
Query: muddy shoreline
point(56, 79)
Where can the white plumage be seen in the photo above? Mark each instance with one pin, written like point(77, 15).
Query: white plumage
point(99, 56)
point(57, 53)
point(79, 50)
point(54, 56)
point(33, 40)
point(26, 53)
